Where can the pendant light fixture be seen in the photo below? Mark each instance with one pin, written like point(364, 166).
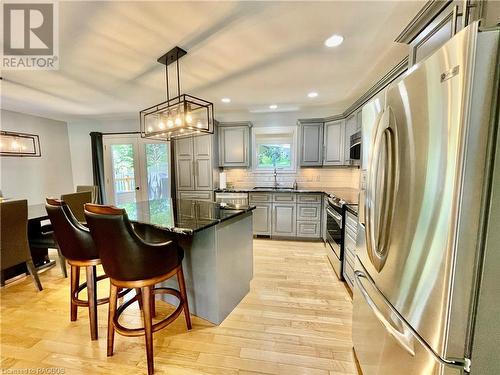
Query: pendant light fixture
point(178, 117)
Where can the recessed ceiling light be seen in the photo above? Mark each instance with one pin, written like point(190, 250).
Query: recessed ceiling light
point(334, 41)
point(273, 106)
point(312, 94)
point(226, 100)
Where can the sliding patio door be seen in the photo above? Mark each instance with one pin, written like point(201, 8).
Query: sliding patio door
point(135, 169)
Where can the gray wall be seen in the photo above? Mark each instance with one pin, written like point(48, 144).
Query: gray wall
point(39, 177)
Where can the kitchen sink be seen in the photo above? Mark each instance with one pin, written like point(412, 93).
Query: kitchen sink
point(272, 188)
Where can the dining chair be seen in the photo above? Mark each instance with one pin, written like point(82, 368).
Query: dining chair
point(75, 201)
point(91, 188)
point(77, 246)
point(131, 262)
point(14, 245)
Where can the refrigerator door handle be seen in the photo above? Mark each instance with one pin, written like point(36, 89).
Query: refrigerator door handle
point(382, 187)
point(400, 337)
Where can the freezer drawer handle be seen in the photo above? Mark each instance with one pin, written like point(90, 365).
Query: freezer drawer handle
point(358, 275)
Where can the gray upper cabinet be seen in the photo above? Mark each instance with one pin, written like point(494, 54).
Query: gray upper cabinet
point(234, 144)
point(350, 129)
point(359, 119)
point(311, 141)
point(184, 174)
point(194, 163)
point(334, 143)
point(203, 174)
point(184, 148)
point(184, 162)
point(202, 146)
point(437, 33)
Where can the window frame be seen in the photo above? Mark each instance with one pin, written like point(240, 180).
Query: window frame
point(270, 133)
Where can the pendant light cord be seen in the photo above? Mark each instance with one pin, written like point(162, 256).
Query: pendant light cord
point(166, 81)
point(178, 77)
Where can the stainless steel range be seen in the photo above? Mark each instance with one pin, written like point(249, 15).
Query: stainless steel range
point(334, 236)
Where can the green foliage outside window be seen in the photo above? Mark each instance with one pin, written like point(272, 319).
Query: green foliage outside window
point(274, 156)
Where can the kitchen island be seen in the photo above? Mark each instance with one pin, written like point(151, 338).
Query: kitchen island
point(218, 249)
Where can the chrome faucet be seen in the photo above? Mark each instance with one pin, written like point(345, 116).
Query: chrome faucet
point(275, 174)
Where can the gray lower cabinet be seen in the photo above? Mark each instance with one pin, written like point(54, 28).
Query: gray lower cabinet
point(350, 232)
point(311, 141)
point(287, 214)
point(262, 219)
point(334, 143)
point(234, 144)
point(309, 212)
point(308, 229)
point(284, 220)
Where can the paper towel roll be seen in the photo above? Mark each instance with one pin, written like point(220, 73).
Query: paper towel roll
point(222, 180)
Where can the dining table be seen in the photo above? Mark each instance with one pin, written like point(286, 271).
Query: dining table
point(37, 215)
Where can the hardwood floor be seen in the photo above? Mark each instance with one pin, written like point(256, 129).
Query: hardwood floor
point(295, 320)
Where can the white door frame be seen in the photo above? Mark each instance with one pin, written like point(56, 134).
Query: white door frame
point(140, 169)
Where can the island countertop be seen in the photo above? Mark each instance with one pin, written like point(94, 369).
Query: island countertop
point(182, 215)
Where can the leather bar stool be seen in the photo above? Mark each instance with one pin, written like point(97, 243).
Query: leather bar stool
point(131, 262)
point(77, 246)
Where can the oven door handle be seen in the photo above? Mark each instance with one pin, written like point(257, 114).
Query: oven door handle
point(335, 215)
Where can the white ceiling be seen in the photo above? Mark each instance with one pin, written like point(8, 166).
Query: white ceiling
point(256, 53)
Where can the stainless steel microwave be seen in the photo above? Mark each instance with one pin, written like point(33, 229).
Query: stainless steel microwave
point(355, 148)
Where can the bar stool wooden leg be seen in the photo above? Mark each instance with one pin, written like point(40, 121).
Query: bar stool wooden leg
point(92, 298)
point(182, 290)
point(139, 297)
point(75, 280)
point(153, 306)
point(113, 299)
point(148, 323)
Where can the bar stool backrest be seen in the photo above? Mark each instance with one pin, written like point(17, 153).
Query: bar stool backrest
point(73, 238)
point(124, 255)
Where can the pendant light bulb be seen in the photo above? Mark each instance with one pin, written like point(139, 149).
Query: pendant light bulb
point(189, 118)
point(178, 121)
point(161, 125)
point(170, 123)
point(198, 124)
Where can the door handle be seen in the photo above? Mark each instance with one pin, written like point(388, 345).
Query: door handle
point(400, 337)
point(394, 332)
point(381, 189)
point(137, 188)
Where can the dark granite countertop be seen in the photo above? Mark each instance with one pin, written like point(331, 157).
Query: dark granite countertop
point(270, 190)
point(347, 194)
point(182, 215)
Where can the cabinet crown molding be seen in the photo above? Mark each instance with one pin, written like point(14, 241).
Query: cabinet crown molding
point(235, 123)
point(424, 17)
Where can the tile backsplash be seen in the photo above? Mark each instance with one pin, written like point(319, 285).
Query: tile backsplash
point(305, 177)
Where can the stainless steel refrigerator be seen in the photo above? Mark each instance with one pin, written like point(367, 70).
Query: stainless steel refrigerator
point(425, 299)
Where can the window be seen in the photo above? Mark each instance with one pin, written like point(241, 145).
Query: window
point(274, 148)
point(275, 155)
